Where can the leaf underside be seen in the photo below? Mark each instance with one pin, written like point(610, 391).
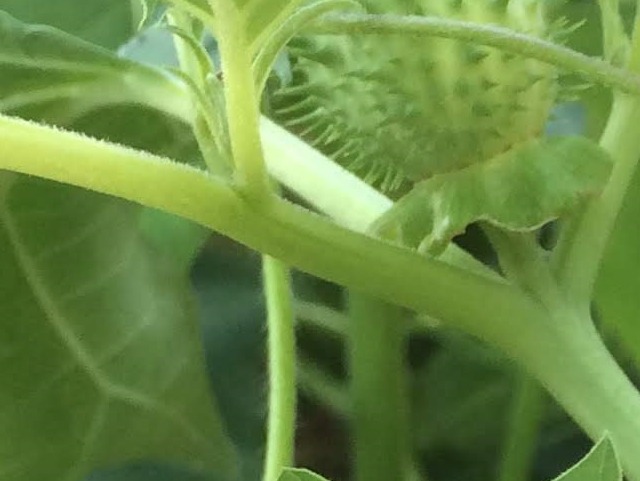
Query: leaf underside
point(107, 23)
point(100, 358)
point(519, 191)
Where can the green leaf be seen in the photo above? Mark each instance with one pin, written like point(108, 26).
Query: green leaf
point(297, 474)
point(52, 76)
point(519, 190)
point(601, 464)
point(108, 23)
point(115, 371)
point(101, 361)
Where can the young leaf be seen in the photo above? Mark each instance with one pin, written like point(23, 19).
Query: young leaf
point(260, 18)
point(297, 474)
point(519, 190)
point(601, 464)
point(101, 362)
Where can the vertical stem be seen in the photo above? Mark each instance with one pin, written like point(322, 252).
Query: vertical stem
point(614, 37)
point(379, 390)
point(522, 430)
point(584, 240)
point(281, 346)
point(241, 99)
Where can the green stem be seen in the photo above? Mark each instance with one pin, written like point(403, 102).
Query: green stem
point(329, 188)
point(503, 38)
point(205, 128)
point(288, 232)
point(583, 242)
point(523, 426)
point(634, 58)
point(526, 264)
point(615, 40)
point(574, 366)
point(242, 101)
point(282, 366)
point(323, 387)
point(380, 422)
point(569, 358)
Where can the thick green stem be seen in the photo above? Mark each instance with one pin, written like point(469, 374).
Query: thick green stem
point(278, 228)
point(522, 430)
point(282, 369)
point(574, 366)
point(242, 101)
point(584, 240)
point(379, 390)
point(580, 250)
point(614, 40)
point(571, 361)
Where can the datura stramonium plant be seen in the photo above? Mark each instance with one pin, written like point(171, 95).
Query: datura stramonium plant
point(449, 119)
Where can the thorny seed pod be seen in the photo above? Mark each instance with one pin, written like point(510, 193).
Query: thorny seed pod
point(399, 109)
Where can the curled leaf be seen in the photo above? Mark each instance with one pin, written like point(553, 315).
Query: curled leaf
point(519, 190)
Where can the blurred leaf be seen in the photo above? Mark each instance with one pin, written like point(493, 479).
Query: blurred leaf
point(150, 472)
point(226, 278)
point(461, 397)
point(108, 23)
point(519, 190)
point(178, 240)
point(51, 76)
point(101, 359)
point(601, 464)
point(296, 474)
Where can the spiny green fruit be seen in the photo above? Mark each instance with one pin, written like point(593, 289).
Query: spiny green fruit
point(400, 109)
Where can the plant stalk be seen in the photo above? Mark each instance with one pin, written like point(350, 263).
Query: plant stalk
point(582, 245)
point(379, 389)
point(571, 361)
point(522, 430)
point(282, 369)
point(242, 101)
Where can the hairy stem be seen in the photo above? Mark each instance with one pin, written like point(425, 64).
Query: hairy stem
point(379, 389)
point(242, 101)
point(522, 430)
point(560, 348)
point(282, 369)
point(298, 237)
point(503, 38)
